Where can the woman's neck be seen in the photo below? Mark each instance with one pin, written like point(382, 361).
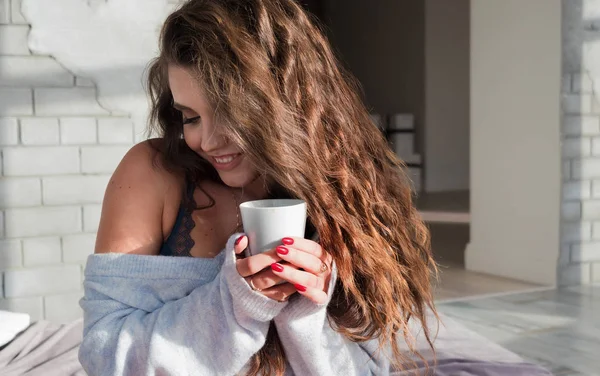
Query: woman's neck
point(257, 189)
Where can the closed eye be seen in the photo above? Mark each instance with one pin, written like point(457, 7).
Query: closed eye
point(191, 120)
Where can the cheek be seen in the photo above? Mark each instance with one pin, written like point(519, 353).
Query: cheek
point(192, 139)
point(249, 168)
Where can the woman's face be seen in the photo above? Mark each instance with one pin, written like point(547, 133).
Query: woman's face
point(203, 135)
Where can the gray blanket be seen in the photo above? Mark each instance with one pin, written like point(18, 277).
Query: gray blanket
point(46, 349)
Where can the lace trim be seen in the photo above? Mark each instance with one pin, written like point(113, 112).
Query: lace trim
point(182, 243)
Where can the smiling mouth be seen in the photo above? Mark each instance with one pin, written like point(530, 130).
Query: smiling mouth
point(226, 159)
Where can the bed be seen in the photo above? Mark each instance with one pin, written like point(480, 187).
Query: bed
point(46, 349)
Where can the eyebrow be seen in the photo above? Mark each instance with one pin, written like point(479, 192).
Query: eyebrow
point(181, 107)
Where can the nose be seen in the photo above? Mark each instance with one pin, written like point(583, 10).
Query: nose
point(212, 139)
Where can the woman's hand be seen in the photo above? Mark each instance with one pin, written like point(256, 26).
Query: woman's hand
point(259, 275)
point(306, 269)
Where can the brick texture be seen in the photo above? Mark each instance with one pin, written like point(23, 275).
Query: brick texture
point(33, 71)
point(63, 308)
point(33, 306)
point(39, 131)
point(20, 192)
point(20, 283)
point(9, 131)
point(580, 105)
point(76, 248)
point(75, 189)
point(13, 40)
point(75, 101)
point(42, 221)
point(101, 159)
point(39, 161)
point(41, 251)
point(15, 101)
point(78, 131)
point(58, 149)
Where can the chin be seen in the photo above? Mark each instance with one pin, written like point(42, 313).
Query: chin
point(236, 180)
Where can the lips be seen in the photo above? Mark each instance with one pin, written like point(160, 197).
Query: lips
point(226, 162)
point(225, 159)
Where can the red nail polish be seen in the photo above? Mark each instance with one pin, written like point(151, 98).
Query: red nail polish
point(278, 268)
point(282, 250)
point(238, 240)
point(300, 288)
point(287, 241)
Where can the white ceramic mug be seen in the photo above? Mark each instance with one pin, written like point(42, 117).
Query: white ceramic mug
point(266, 222)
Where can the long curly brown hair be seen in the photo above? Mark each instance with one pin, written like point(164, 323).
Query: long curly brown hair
point(280, 94)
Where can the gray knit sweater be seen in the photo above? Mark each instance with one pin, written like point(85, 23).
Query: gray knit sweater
point(156, 315)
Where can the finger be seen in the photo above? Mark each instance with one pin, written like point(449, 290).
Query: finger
point(281, 292)
point(318, 296)
point(263, 280)
point(302, 260)
point(297, 276)
point(254, 264)
point(305, 245)
point(240, 244)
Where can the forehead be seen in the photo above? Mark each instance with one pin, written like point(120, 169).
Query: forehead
point(185, 87)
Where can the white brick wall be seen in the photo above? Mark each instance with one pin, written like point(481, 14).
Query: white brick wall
point(36, 161)
point(63, 308)
point(115, 131)
point(574, 190)
point(580, 232)
point(17, 17)
point(13, 40)
point(15, 101)
point(33, 71)
point(577, 147)
point(75, 101)
point(10, 254)
point(91, 217)
point(39, 131)
point(4, 11)
point(20, 283)
point(575, 232)
point(42, 221)
point(595, 272)
point(101, 159)
point(74, 189)
point(78, 131)
point(32, 306)
point(581, 125)
point(20, 192)
point(82, 81)
point(76, 248)
point(585, 252)
point(9, 131)
point(58, 148)
point(41, 251)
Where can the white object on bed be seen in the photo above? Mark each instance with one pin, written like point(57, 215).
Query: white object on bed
point(11, 324)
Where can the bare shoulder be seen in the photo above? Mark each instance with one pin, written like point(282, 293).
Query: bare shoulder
point(138, 196)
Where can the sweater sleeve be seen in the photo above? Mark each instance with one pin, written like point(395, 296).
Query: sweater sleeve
point(150, 315)
point(312, 347)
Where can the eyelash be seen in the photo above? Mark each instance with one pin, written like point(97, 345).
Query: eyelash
point(191, 120)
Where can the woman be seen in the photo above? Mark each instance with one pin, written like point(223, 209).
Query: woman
point(251, 103)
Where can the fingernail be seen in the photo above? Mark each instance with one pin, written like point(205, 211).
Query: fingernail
point(238, 240)
point(287, 241)
point(277, 267)
point(300, 288)
point(282, 250)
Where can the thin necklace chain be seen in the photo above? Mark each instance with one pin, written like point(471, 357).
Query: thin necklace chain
point(238, 223)
point(237, 212)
